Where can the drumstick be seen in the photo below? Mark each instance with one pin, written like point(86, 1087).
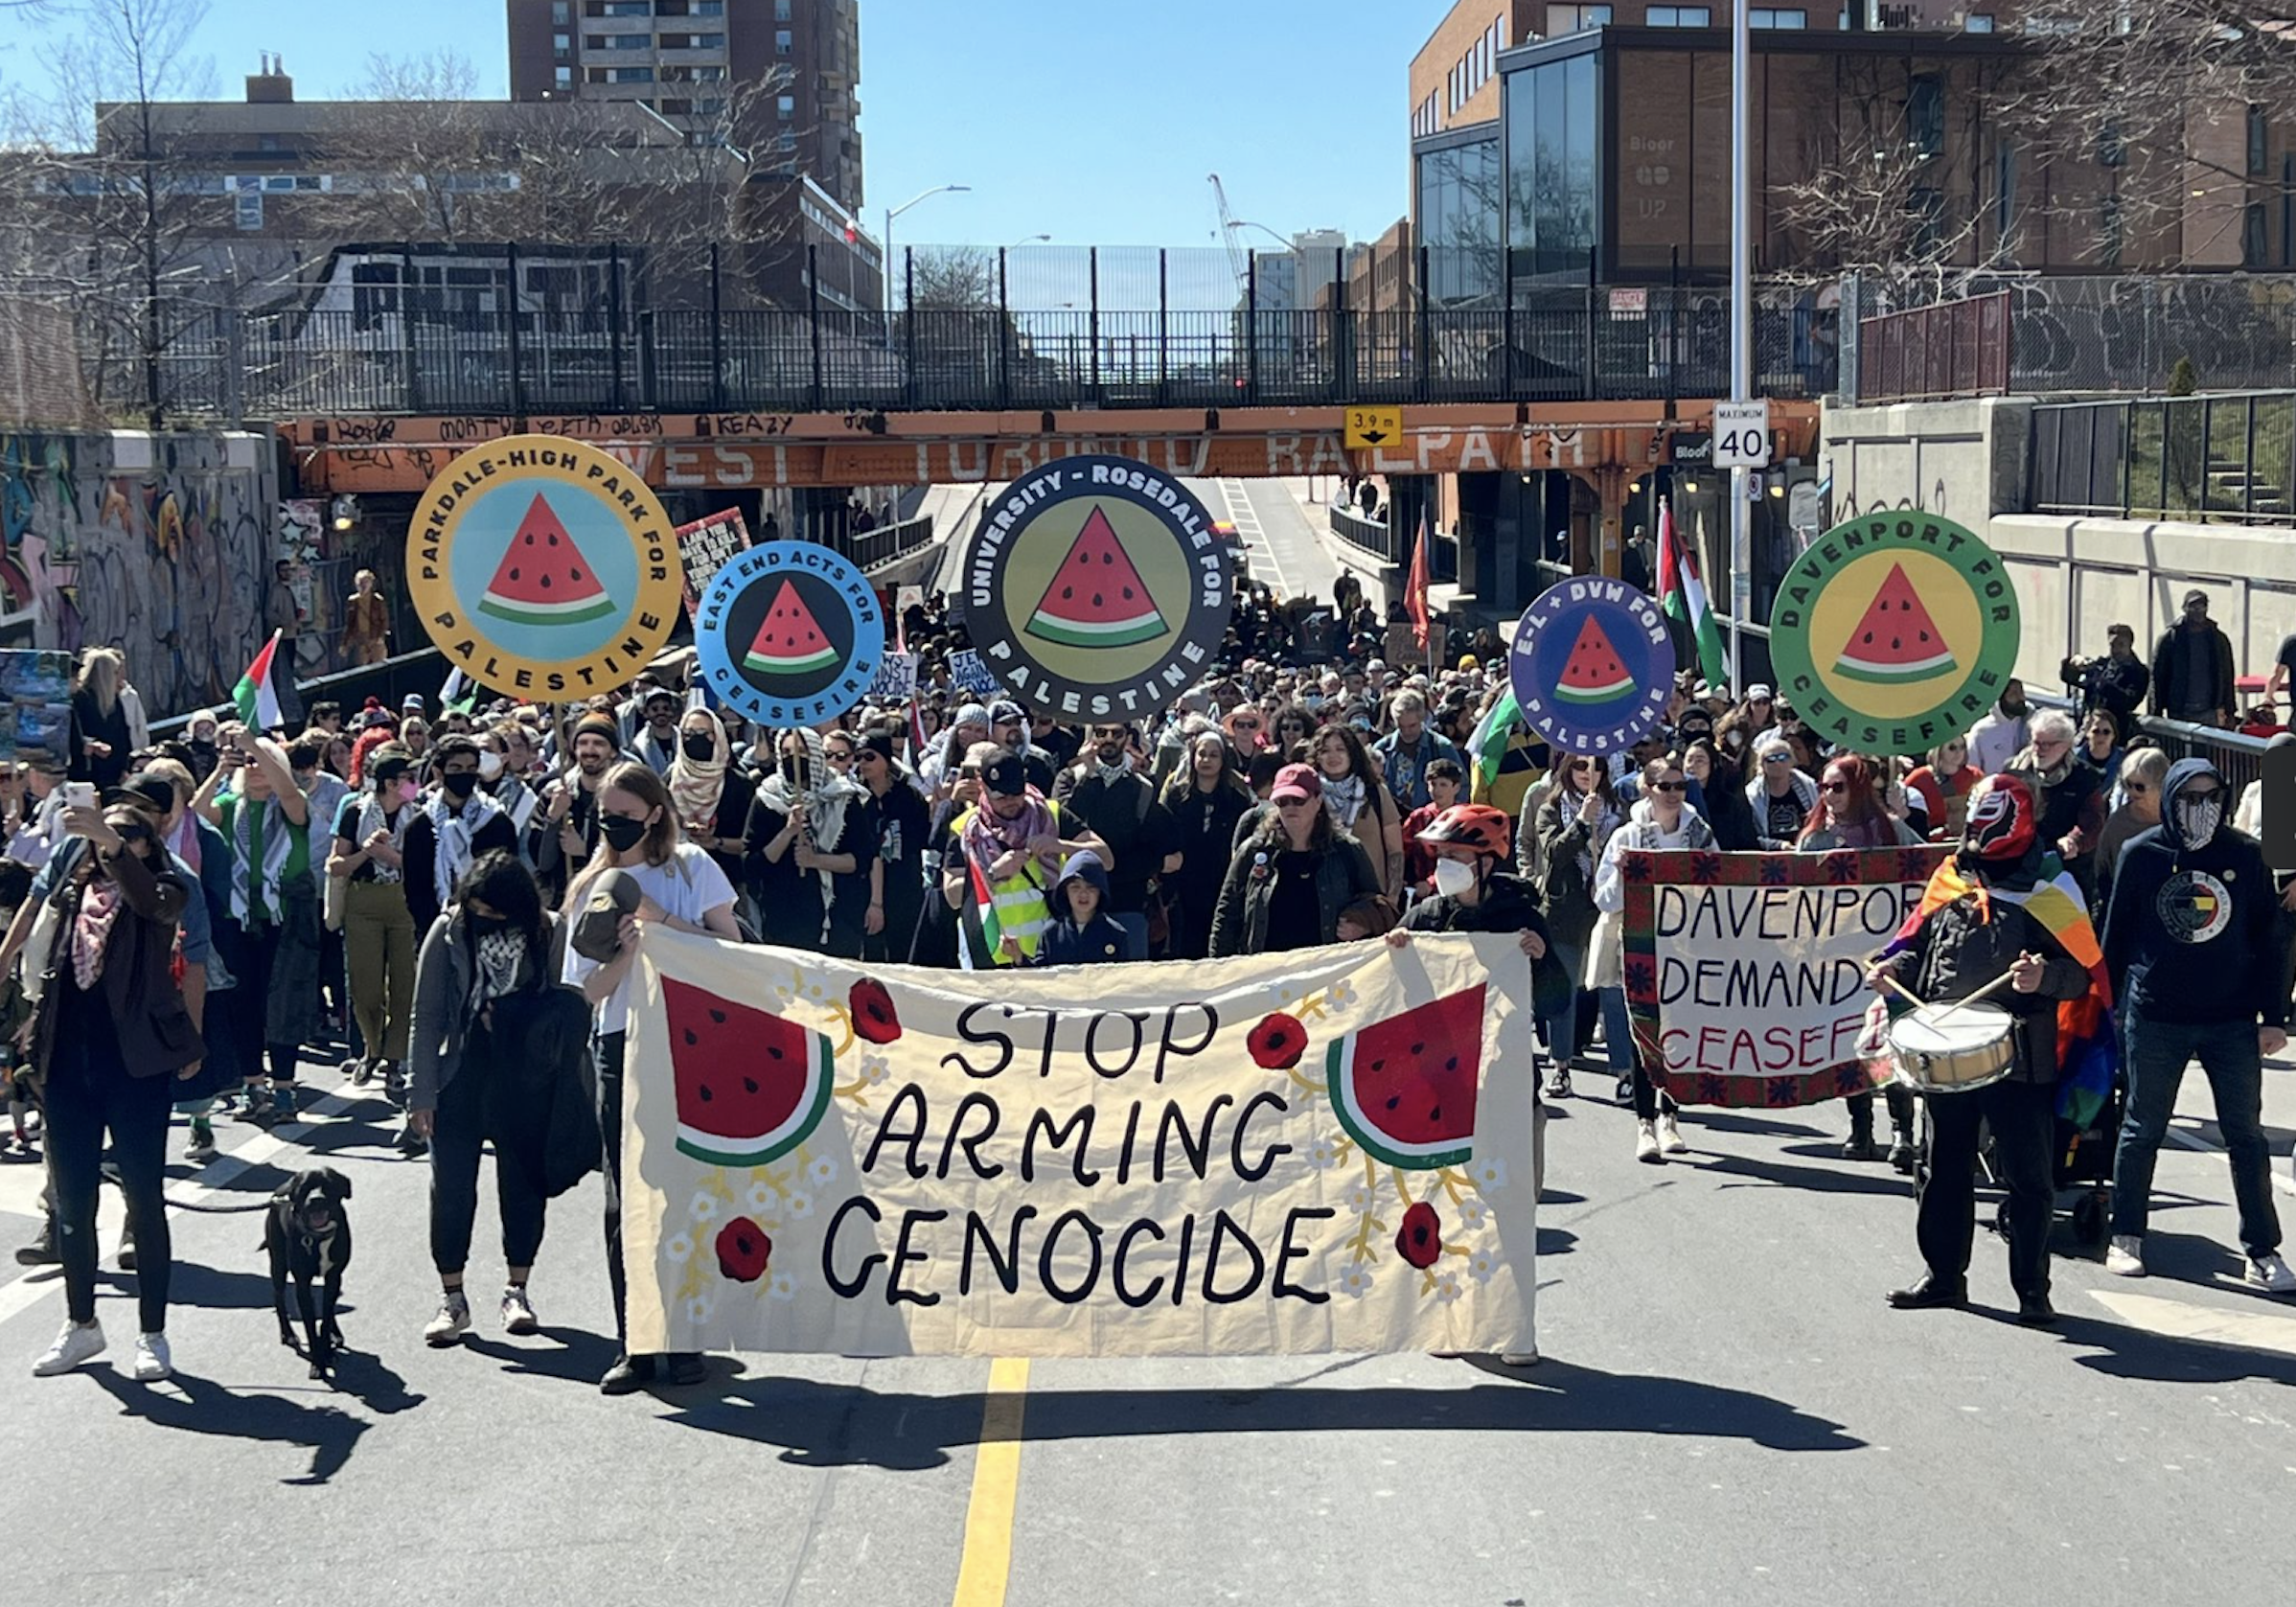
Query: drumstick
point(1900, 990)
point(1993, 987)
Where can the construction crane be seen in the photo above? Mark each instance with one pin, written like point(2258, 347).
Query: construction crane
point(1236, 260)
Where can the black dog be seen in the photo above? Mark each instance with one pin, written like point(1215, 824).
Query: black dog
point(309, 1240)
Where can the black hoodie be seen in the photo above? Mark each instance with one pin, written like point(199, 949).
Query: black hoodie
point(1509, 903)
point(2189, 935)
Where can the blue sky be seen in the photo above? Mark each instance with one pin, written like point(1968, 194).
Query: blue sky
point(1092, 120)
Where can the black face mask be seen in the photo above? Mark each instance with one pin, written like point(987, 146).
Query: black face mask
point(622, 833)
point(698, 747)
point(460, 784)
point(792, 770)
point(486, 926)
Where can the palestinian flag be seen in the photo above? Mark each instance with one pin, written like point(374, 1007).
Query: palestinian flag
point(257, 694)
point(1486, 747)
point(1681, 595)
point(980, 942)
point(458, 692)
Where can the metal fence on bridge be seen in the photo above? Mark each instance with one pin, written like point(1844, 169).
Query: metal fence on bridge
point(1107, 330)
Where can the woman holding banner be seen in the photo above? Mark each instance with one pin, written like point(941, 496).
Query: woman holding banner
point(1574, 824)
point(1974, 928)
point(1850, 815)
point(1673, 825)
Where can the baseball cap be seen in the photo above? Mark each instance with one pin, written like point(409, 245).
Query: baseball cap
point(1006, 777)
point(412, 701)
point(1295, 781)
point(1759, 693)
point(659, 694)
point(1004, 712)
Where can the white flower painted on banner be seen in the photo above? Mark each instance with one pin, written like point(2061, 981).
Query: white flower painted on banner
point(1473, 1213)
point(1340, 995)
point(874, 1069)
point(698, 1308)
point(1358, 1197)
point(679, 1249)
point(799, 1204)
point(822, 1172)
point(1356, 1282)
point(782, 1287)
point(764, 1198)
point(1482, 1265)
point(705, 1208)
point(1447, 1288)
point(1324, 1155)
point(1488, 1174)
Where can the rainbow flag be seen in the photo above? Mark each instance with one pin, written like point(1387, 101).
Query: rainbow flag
point(2088, 1052)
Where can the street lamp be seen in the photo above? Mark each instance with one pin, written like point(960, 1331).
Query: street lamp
point(892, 213)
point(1243, 223)
point(1029, 240)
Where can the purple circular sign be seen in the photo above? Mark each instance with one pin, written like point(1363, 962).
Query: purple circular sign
point(1592, 665)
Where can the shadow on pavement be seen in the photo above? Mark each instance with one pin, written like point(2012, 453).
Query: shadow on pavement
point(1823, 1180)
point(2126, 1352)
point(824, 1425)
point(1698, 1117)
point(201, 1406)
point(578, 1356)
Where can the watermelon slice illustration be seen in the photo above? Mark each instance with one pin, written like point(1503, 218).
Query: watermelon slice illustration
point(790, 640)
point(1594, 672)
point(1405, 1088)
point(1097, 599)
point(542, 578)
point(1895, 641)
point(750, 1087)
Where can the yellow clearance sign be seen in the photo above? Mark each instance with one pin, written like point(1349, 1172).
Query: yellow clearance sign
point(544, 566)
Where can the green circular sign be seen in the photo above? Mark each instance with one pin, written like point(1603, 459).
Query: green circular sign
point(1894, 631)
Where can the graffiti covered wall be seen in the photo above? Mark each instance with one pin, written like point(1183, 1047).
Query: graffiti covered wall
point(158, 545)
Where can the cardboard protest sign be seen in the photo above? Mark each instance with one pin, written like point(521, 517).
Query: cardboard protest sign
point(1286, 1154)
point(1746, 973)
point(896, 677)
point(968, 674)
point(705, 544)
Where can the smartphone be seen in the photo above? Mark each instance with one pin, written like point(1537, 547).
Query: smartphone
point(79, 795)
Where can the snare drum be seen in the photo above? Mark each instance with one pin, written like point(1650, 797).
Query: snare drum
point(1948, 1048)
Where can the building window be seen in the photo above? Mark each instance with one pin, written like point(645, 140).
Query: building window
point(1571, 20)
point(1925, 114)
point(784, 42)
point(2005, 191)
point(2259, 142)
point(561, 44)
point(1681, 16)
point(1770, 16)
point(2254, 249)
point(1977, 22)
point(785, 106)
point(781, 10)
point(565, 77)
point(561, 12)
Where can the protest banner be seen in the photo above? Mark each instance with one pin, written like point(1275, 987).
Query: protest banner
point(1285, 1153)
point(968, 674)
point(705, 544)
point(35, 722)
point(1746, 973)
point(896, 677)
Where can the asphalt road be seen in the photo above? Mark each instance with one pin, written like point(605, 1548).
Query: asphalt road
point(1726, 1414)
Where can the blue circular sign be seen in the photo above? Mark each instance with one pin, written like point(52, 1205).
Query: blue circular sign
point(1592, 665)
point(789, 633)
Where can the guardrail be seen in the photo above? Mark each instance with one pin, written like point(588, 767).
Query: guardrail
point(2227, 456)
point(1375, 536)
point(889, 543)
point(1957, 348)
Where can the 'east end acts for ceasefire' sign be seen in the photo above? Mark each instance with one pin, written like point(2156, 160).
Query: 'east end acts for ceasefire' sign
point(543, 567)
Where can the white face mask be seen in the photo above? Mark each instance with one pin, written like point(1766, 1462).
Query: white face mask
point(490, 765)
point(1453, 877)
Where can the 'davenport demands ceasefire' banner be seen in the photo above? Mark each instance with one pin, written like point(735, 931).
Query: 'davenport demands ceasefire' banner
point(1284, 1154)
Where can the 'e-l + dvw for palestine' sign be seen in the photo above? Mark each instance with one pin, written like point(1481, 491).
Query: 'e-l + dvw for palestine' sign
point(1746, 973)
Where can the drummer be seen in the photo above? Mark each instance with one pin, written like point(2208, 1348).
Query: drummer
point(1960, 948)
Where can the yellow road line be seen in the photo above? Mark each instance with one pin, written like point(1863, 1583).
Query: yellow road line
point(988, 1556)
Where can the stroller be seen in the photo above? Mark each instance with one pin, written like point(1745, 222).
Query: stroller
point(2082, 1165)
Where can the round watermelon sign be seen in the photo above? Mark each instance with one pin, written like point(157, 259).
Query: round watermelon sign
point(789, 633)
point(1095, 587)
point(1592, 665)
point(1894, 631)
point(543, 567)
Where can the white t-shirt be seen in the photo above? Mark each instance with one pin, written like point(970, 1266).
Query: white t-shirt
point(688, 885)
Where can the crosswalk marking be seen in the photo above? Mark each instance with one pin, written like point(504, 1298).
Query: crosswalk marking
point(2250, 1330)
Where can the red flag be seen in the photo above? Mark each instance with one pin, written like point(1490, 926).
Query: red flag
point(1414, 589)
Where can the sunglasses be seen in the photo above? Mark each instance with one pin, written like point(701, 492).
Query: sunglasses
point(1669, 787)
point(2135, 787)
point(1778, 758)
point(1836, 787)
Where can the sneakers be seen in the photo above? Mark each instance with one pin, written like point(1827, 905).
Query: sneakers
point(1669, 1134)
point(1903, 1156)
point(394, 1084)
point(2125, 1257)
point(2270, 1274)
point(41, 1251)
point(153, 1363)
point(127, 1248)
point(361, 1072)
point(200, 1147)
point(78, 1342)
point(453, 1322)
point(1645, 1142)
point(283, 1105)
point(255, 1104)
point(517, 1312)
point(1518, 1358)
point(1558, 1081)
point(1623, 1093)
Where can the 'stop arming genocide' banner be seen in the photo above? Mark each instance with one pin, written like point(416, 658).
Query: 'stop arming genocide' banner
point(1746, 973)
point(1283, 1154)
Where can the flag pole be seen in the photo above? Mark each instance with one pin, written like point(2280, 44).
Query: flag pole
point(1741, 318)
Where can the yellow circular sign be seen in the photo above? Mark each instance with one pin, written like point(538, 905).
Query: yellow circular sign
point(543, 567)
point(1847, 611)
